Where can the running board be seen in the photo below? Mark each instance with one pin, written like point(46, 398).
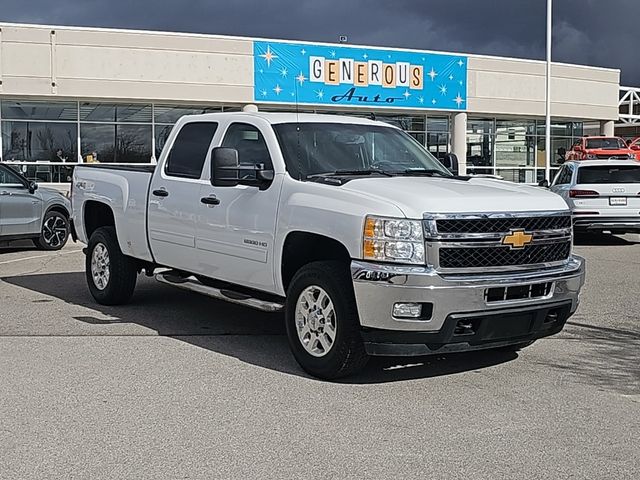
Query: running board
point(194, 285)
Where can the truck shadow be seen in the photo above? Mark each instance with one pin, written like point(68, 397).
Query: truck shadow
point(253, 337)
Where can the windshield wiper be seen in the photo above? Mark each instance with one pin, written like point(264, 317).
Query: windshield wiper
point(427, 172)
point(352, 172)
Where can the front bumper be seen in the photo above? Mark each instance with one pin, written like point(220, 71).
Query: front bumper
point(452, 298)
point(597, 222)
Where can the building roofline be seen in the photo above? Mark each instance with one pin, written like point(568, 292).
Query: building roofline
point(280, 40)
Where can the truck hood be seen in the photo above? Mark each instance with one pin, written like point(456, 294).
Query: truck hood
point(418, 195)
point(609, 151)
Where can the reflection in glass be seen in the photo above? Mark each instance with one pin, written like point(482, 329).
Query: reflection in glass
point(39, 141)
point(29, 110)
point(116, 143)
point(115, 112)
point(171, 113)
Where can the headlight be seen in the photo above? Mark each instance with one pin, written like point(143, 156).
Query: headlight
point(591, 156)
point(393, 240)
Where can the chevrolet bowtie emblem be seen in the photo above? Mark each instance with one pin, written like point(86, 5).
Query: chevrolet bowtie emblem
point(517, 239)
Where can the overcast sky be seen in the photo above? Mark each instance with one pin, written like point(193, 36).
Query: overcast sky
point(591, 32)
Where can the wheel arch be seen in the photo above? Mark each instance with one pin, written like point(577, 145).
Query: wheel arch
point(301, 248)
point(95, 215)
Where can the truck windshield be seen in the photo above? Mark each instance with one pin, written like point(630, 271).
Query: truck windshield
point(609, 174)
point(320, 148)
point(612, 143)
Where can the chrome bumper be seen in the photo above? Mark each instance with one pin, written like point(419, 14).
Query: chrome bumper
point(378, 286)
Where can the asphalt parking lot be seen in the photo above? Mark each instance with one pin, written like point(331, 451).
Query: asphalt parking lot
point(180, 386)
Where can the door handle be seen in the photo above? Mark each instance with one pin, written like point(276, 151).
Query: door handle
point(160, 193)
point(212, 200)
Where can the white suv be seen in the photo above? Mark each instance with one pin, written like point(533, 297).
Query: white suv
point(602, 194)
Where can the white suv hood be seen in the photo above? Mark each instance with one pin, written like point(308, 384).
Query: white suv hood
point(417, 195)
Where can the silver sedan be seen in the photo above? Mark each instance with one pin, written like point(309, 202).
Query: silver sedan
point(29, 212)
point(602, 194)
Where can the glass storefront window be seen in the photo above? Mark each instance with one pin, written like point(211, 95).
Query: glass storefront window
point(115, 143)
point(28, 110)
point(438, 124)
point(108, 112)
point(479, 154)
point(39, 141)
point(171, 113)
point(514, 144)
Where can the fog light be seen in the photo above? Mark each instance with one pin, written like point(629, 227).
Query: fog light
point(407, 310)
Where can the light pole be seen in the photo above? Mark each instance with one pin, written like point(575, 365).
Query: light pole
point(547, 128)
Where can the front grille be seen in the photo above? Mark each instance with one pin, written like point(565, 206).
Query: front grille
point(502, 225)
point(613, 157)
point(478, 257)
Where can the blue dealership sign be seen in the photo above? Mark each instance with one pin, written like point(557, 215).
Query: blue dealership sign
point(358, 76)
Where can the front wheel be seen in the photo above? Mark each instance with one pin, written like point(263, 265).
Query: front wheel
point(322, 321)
point(111, 275)
point(54, 233)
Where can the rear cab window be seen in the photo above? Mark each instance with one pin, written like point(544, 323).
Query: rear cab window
point(189, 150)
point(609, 174)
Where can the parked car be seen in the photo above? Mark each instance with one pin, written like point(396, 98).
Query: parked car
point(600, 148)
point(634, 145)
point(29, 212)
point(368, 244)
point(602, 194)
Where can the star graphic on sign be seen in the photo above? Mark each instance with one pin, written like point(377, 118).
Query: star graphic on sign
point(406, 94)
point(450, 77)
point(388, 56)
point(459, 100)
point(284, 72)
point(460, 82)
point(433, 101)
point(460, 63)
point(432, 74)
point(443, 89)
point(277, 89)
point(263, 93)
point(319, 94)
point(365, 56)
point(261, 70)
point(269, 56)
point(421, 100)
point(301, 78)
point(293, 94)
point(303, 52)
point(333, 53)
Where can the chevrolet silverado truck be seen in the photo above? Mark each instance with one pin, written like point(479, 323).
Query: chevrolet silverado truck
point(365, 241)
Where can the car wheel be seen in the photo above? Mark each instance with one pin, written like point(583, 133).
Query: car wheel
point(322, 321)
point(54, 232)
point(111, 275)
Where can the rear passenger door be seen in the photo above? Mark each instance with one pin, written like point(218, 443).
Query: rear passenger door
point(174, 197)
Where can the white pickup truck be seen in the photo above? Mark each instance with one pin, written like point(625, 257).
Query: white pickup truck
point(368, 244)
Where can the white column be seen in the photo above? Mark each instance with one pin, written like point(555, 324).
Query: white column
point(459, 140)
point(607, 128)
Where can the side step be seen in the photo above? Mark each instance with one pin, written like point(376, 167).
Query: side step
point(190, 283)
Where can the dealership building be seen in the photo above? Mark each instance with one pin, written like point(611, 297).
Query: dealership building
point(70, 95)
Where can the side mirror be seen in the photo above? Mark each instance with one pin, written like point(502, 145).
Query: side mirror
point(224, 167)
point(450, 162)
point(543, 183)
point(32, 186)
point(635, 147)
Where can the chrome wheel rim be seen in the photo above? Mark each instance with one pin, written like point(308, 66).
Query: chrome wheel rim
point(316, 321)
point(54, 231)
point(100, 266)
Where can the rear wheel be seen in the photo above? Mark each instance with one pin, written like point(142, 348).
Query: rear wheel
point(111, 275)
point(322, 321)
point(55, 231)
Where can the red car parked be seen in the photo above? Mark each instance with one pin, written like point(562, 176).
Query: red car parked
point(600, 148)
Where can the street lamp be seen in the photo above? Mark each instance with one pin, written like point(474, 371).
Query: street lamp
point(547, 128)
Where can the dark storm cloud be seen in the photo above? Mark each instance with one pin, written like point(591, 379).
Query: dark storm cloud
point(592, 32)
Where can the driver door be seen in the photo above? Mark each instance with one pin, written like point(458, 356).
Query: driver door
point(20, 209)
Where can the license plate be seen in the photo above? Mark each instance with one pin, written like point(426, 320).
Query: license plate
point(617, 200)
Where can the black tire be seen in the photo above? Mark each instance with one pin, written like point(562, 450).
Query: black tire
point(516, 347)
point(346, 355)
point(54, 232)
point(122, 270)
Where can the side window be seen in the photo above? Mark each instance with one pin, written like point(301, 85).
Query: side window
point(251, 147)
point(559, 176)
point(190, 149)
point(7, 177)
